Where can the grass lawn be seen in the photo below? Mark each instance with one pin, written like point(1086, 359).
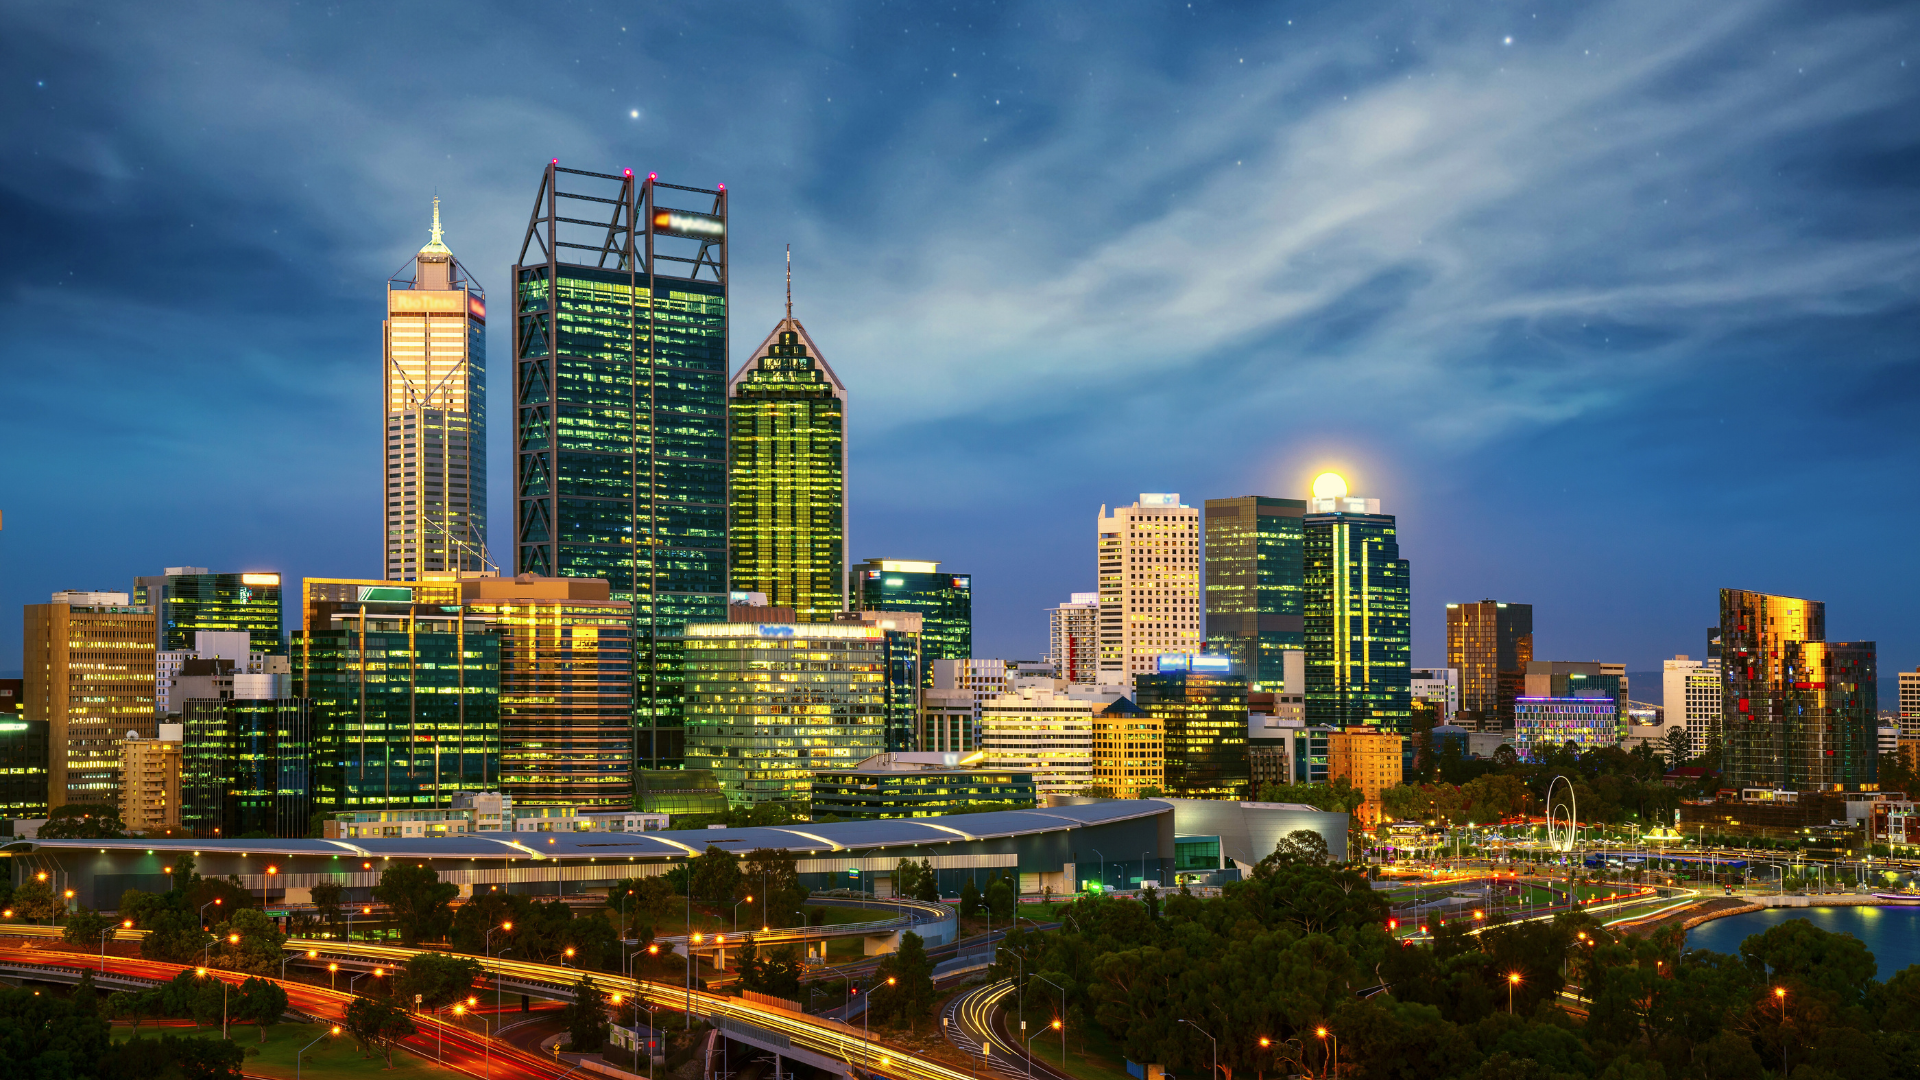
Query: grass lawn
point(332, 1058)
point(1101, 1060)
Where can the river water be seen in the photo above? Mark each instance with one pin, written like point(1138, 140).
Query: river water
point(1892, 934)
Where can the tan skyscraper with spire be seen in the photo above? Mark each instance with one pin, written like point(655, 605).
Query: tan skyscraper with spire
point(435, 420)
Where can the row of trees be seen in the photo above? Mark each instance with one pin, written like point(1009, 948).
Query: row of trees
point(46, 1036)
point(1301, 948)
point(201, 999)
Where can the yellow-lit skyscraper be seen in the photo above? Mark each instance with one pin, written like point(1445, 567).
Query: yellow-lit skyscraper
point(787, 491)
point(436, 428)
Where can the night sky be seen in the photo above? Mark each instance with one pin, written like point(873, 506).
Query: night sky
point(1614, 304)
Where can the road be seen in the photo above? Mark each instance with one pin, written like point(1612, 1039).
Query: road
point(455, 1046)
point(971, 1024)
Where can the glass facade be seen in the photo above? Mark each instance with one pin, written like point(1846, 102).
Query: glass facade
point(1543, 724)
point(880, 793)
point(944, 601)
point(787, 486)
point(621, 411)
point(25, 746)
point(768, 704)
point(1490, 644)
point(1358, 643)
point(1255, 591)
point(246, 767)
point(184, 604)
point(405, 711)
point(1201, 704)
point(1800, 712)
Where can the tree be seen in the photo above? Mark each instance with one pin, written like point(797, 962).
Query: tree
point(377, 1024)
point(192, 996)
point(174, 1057)
point(772, 874)
point(1001, 898)
point(260, 945)
point(1679, 747)
point(327, 897)
point(716, 875)
point(969, 898)
point(79, 821)
point(587, 1017)
point(418, 900)
point(929, 890)
point(906, 878)
point(173, 935)
point(43, 1036)
point(909, 996)
point(36, 900)
point(85, 927)
point(440, 979)
point(261, 1001)
point(777, 973)
point(1300, 847)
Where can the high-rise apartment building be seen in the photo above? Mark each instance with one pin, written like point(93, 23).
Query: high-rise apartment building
point(1489, 644)
point(1800, 711)
point(1357, 613)
point(620, 373)
point(1073, 637)
point(1693, 699)
point(1047, 731)
point(1255, 592)
point(187, 600)
point(1150, 603)
point(768, 704)
point(787, 482)
point(944, 601)
point(89, 677)
point(1201, 703)
point(435, 443)
point(246, 761)
point(150, 782)
point(1370, 760)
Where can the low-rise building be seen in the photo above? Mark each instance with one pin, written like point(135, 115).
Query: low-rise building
point(1129, 749)
point(1371, 760)
point(486, 812)
point(1541, 724)
point(920, 784)
point(150, 782)
point(1044, 731)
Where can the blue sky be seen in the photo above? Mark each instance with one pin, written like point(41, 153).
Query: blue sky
point(1614, 304)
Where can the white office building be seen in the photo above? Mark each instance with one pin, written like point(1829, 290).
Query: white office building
point(1150, 596)
point(1692, 699)
point(1440, 686)
point(1073, 637)
point(1048, 731)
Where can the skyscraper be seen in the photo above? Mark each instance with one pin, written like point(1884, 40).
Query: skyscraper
point(435, 448)
point(1149, 559)
point(1255, 593)
point(1692, 697)
point(944, 601)
point(187, 599)
point(246, 761)
point(1357, 607)
point(1201, 704)
point(620, 373)
point(1073, 637)
point(1800, 711)
point(786, 493)
point(1489, 643)
point(89, 677)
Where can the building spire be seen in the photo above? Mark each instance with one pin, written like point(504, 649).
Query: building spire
point(789, 284)
point(437, 245)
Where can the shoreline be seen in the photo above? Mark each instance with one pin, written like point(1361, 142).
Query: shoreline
point(1814, 901)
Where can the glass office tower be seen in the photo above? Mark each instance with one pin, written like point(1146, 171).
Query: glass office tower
point(787, 494)
point(1801, 712)
point(1201, 704)
point(944, 601)
point(1254, 588)
point(1357, 617)
point(1490, 644)
point(434, 445)
point(768, 703)
point(620, 370)
point(246, 762)
point(188, 599)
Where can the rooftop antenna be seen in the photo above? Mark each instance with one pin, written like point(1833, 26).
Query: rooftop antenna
point(789, 284)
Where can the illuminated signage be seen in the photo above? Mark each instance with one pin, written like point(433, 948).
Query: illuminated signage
point(908, 566)
point(259, 579)
point(13, 727)
point(476, 307)
point(693, 226)
point(385, 594)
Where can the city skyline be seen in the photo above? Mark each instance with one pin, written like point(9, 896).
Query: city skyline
point(1571, 386)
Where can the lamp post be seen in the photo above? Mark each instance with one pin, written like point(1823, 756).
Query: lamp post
point(507, 927)
point(1211, 1039)
point(736, 913)
point(203, 911)
point(1780, 995)
point(1513, 980)
point(1062, 1023)
point(1324, 1035)
point(1143, 870)
point(311, 954)
point(333, 976)
point(1037, 1034)
point(296, 1056)
point(458, 1008)
point(376, 973)
point(205, 974)
point(1103, 866)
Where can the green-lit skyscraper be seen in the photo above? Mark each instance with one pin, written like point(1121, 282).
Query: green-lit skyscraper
point(787, 484)
point(620, 371)
point(1356, 613)
point(944, 601)
point(1255, 594)
point(188, 599)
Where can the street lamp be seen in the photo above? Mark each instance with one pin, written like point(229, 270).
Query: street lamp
point(1061, 1024)
point(127, 925)
point(203, 911)
point(1324, 1035)
point(376, 973)
point(311, 954)
point(506, 926)
point(203, 973)
point(1780, 995)
point(296, 1057)
point(1513, 980)
point(736, 913)
point(458, 1008)
point(1210, 1038)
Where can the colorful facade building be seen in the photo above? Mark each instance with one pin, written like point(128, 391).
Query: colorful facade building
point(1800, 712)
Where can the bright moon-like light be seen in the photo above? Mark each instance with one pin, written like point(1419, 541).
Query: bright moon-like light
point(635, 114)
point(1329, 485)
